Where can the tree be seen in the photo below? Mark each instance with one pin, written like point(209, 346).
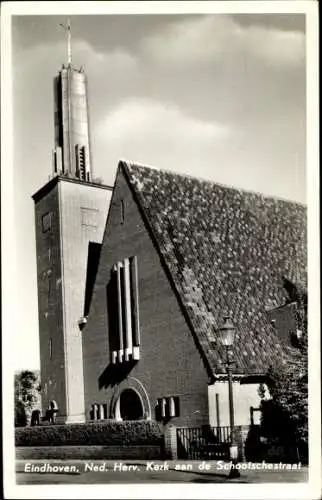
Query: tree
point(285, 415)
point(27, 396)
point(288, 407)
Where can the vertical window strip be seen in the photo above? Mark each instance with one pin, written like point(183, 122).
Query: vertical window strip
point(172, 409)
point(163, 407)
point(112, 305)
point(177, 406)
point(127, 304)
point(119, 308)
point(135, 301)
point(123, 310)
point(122, 212)
point(101, 412)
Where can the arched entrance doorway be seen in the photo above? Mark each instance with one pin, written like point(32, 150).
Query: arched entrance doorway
point(130, 401)
point(131, 407)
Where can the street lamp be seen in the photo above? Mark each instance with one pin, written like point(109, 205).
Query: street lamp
point(227, 337)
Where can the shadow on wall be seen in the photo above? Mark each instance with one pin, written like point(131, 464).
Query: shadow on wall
point(114, 374)
point(94, 252)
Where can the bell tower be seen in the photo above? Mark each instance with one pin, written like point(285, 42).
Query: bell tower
point(70, 216)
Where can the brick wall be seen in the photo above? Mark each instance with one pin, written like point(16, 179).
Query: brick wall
point(50, 307)
point(170, 363)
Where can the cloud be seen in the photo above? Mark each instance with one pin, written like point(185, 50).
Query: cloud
point(218, 38)
point(146, 131)
point(115, 60)
point(158, 134)
point(144, 117)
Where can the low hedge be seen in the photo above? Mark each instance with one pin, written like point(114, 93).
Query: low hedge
point(107, 433)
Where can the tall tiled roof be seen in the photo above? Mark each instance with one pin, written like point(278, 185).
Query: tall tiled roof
point(227, 250)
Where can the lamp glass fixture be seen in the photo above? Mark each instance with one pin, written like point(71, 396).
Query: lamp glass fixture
point(227, 332)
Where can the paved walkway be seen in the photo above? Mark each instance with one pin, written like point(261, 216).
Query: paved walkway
point(116, 471)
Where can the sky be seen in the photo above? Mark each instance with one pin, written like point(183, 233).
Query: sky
point(220, 97)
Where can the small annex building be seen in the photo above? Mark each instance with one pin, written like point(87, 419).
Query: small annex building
point(178, 253)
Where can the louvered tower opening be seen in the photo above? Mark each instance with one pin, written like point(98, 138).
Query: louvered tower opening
point(81, 163)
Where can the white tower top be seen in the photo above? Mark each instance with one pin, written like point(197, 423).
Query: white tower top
point(71, 155)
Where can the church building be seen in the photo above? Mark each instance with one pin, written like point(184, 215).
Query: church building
point(134, 282)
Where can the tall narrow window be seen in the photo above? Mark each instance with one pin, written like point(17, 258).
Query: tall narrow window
point(120, 310)
point(123, 309)
point(122, 211)
point(163, 407)
point(127, 310)
point(172, 408)
point(135, 306)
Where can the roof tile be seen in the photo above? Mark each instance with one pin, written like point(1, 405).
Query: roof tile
point(227, 251)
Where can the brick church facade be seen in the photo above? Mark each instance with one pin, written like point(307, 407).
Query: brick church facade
point(177, 254)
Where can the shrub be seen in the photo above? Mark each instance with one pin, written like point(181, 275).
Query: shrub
point(107, 433)
point(20, 414)
point(27, 395)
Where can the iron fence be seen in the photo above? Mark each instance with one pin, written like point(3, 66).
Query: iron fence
point(204, 443)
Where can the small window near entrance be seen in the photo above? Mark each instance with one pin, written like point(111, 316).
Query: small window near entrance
point(94, 412)
point(167, 408)
point(98, 411)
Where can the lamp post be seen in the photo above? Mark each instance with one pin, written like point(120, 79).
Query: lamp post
point(227, 337)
